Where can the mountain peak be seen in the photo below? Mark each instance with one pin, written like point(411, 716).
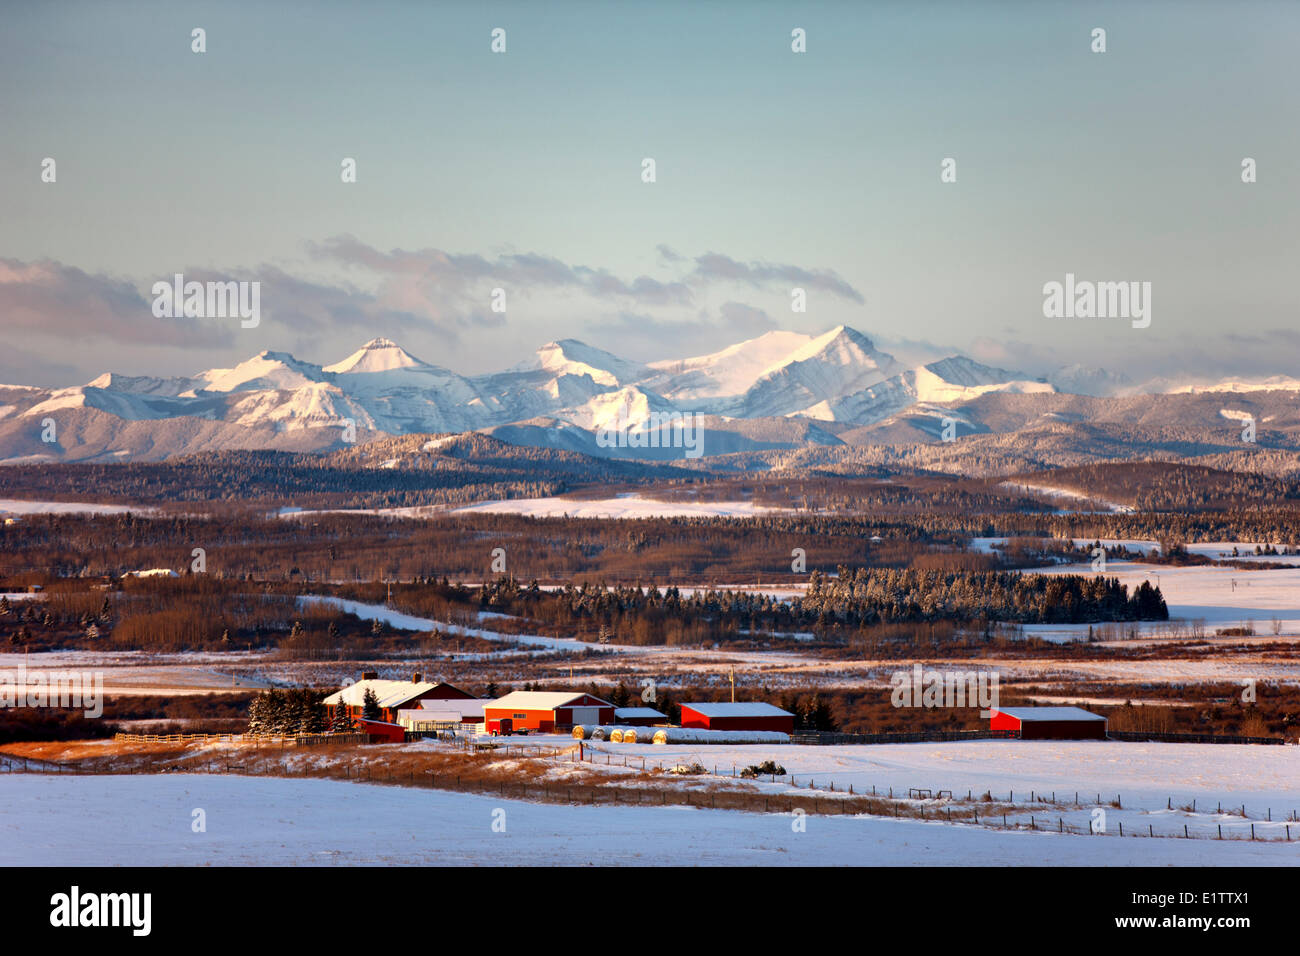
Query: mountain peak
point(377, 355)
point(572, 357)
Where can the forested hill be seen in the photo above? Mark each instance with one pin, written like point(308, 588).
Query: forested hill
point(399, 472)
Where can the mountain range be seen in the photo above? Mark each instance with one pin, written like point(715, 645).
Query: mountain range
point(781, 390)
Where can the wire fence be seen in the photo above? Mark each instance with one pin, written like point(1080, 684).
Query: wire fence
point(1039, 811)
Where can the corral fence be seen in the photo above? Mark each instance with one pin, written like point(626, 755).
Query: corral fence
point(827, 738)
point(1136, 736)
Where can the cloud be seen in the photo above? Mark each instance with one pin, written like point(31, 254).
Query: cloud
point(454, 286)
point(460, 281)
point(745, 319)
point(23, 367)
point(48, 299)
point(310, 307)
point(714, 267)
point(654, 338)
point(440, 296)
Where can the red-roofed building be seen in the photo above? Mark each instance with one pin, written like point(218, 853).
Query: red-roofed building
point(750, 715)
point(1048, 723)
point(392, 695)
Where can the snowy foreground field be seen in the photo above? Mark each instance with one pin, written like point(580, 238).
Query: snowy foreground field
point(146, 820)
point(1146, 775)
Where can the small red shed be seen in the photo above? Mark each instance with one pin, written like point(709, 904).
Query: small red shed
point(547, 711)
point(749, 715)
point(381, 731)
point(639, 717)
point(1048, 723)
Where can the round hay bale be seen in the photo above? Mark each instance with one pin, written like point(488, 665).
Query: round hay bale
point(599, 733)
point(661, 737)
point(616, 736)
point(630, 735)
point(579, 732)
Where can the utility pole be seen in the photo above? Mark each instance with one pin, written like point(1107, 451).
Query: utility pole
point(733, 683)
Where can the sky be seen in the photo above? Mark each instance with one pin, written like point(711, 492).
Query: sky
point(523, 171)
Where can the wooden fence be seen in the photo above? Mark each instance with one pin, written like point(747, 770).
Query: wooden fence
point(257, 740)
point(1137, 736)
point(828, 738)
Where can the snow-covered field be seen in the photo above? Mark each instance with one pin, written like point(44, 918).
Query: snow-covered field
point(147, 820)
point(623, 506)
point(144, 673)
point(1066, 494)
point(16, 506)
point(1221, 596)
point(411, 622)
point(1147, 775)
point(1215, 550)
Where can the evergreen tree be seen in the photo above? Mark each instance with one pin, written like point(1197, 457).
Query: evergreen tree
point(295, 712)
point(621, 696)
point(277, 712)
point(257, 715)
point(370, 705)
point(341, 722)
point(316, 718)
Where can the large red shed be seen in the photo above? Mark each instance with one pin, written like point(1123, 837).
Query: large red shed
point(1048, 723)
point(547, 711)
point(750, 715)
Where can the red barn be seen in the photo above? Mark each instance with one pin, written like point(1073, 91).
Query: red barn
point(393, 695)
point(546, 711)
point(742, 716)
point(1048, 723)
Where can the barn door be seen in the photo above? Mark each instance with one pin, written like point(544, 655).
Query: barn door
point(586, 715)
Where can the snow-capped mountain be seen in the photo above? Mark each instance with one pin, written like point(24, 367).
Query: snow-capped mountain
point(1098, 382)
point(571, 357)
point(950, 380)
point(829, 388)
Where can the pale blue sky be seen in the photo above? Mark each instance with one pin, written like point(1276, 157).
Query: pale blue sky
point(1122, 165)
